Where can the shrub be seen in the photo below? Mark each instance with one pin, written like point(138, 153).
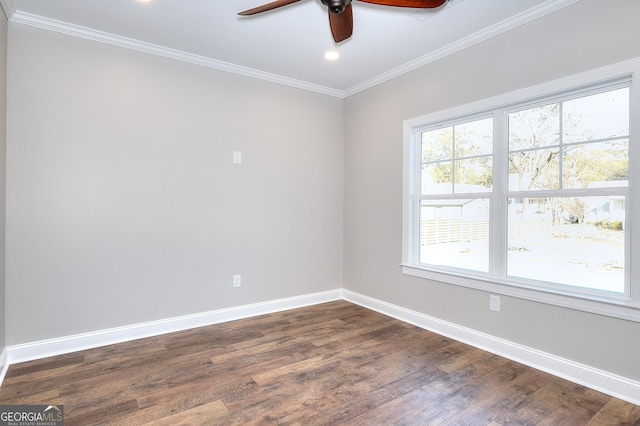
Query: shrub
point(616, 225)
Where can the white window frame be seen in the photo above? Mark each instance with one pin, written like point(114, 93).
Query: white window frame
point(625, 306)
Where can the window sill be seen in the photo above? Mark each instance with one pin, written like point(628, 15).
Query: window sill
point(622, 309)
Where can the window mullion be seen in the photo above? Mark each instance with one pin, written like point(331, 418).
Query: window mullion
point(632, 247)
point(561, 146)
point(416, 161)
point(498, 218)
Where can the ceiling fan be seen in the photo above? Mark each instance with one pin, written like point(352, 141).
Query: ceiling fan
point(340, 14)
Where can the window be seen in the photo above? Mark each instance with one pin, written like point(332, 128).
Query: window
point(456, 182)
point(530, 194)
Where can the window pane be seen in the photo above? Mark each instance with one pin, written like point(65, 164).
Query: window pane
point(601, 116)
point(596, 165)
point(455, 233)
point(437, 144)
point(474, 138)
point(473, 175)
point(534, 128)
point(534, 170)
point(576, 242)
point(437, 178)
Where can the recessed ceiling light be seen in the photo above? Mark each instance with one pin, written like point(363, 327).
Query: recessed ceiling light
point(331, 55)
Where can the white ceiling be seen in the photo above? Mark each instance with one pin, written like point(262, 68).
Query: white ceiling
point(286, 45)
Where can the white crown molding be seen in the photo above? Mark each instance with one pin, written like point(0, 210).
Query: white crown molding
point(478, 37)
point(8, 7)
point(79, 31)
point(603, 381)
point(154, 49)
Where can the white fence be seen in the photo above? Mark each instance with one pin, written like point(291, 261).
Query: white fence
point(440, 231)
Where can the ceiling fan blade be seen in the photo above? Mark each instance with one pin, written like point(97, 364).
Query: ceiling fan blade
point(341, 24)
point(269, 6)
point(419, 4)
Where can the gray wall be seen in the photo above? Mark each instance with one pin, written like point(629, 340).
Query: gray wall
point(3, 146)
point(586, 35)
point(124, 206)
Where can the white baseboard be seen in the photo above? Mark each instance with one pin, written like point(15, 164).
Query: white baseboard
point(78, 342)
point(4, 364)
point(611, 384)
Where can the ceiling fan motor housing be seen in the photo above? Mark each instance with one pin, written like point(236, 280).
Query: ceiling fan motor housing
point(336, 6)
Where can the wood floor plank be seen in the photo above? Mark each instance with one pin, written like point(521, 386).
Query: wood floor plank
point(286, 334)
point(394, 409)
point(623, 412)
point(330, 364)
point(45, 366)
point(504, 388)
point(106, 414)
point(567, 414)
point(45, 395)
point(464, 359)
point(356, 405)
point(204, 414)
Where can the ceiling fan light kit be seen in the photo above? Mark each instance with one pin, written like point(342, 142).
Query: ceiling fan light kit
point(341, 14)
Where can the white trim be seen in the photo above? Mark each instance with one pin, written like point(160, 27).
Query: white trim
point(4, 364)
point(154, 49)
point(78, 342)
point(611, 384)
point(8, 7)
point(622, 310)
point(532, 14)
point(495, 30)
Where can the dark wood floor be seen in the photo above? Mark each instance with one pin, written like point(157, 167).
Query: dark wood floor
point(330, 364)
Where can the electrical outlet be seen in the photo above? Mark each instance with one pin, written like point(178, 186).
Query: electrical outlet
point(494, 303)
point(237, 280)
point(237, 157)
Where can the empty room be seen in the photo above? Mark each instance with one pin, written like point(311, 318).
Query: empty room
point(413, 212)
